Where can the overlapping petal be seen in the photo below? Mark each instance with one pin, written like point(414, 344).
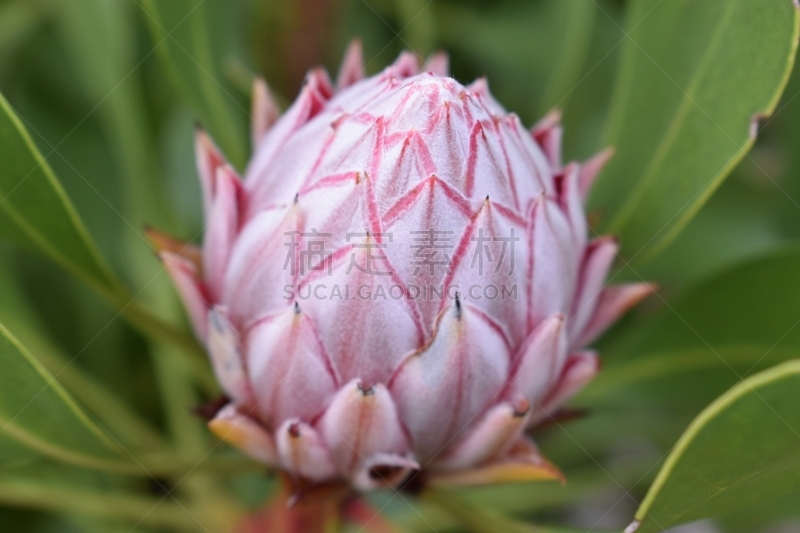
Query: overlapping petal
point(403, 282)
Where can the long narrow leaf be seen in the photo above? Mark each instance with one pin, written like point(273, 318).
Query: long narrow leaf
point(185, 32)
point(36, 411)
point(743, 450)
point(36, 212)
point(695, 79)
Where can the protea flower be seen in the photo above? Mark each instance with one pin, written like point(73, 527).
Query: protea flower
point(401, 282)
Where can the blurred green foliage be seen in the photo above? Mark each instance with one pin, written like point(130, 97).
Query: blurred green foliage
point(109, 91)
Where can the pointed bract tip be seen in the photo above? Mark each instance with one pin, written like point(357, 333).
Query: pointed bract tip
point(589, 170)
point(365, 389)
point(438, 64)
point(157, 239)
point(162, 242)
point(405, 65)
point(202, 138)
point(522, 407)
point(205, 144)
point(615, 300)
point(479, 86)
point(208, 157)
point(552, 118)
point(265, 110)
point(602, 239)
point(318, 81)
point(245, 433)
point(352, 69)
point(548, 134)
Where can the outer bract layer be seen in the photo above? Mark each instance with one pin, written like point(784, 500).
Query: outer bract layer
point(402, 280)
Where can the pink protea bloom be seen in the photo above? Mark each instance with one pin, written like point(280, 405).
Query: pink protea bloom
point(402, 281)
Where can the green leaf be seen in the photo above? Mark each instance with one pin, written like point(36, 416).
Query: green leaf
point(99, 503)
point(747, 520)
point(36, 213)
point(35, 210)
point(695, 79)
point(187, 34)
point(99, 34)
point(670, 366)
point(53, 487)
point(19, 318)
point(740, 321)
point(653, 399)
point(742, 450)
point(37, 412)
point(754, 303)
point(739, 223)
point(101, 38)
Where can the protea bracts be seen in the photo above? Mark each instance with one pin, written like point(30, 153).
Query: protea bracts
point(401, 282)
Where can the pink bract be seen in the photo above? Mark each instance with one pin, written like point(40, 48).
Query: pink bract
point(429, 198)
